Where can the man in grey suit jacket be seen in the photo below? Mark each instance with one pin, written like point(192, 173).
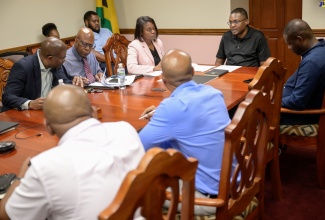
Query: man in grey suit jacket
point(32, 77)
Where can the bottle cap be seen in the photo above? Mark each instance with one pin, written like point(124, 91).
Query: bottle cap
point(120, 65)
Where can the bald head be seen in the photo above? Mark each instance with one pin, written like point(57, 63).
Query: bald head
point(85, 33)
point(66, 106)
point(84, 41)
point(52, 46)
point(298, 27)
point(177, 68)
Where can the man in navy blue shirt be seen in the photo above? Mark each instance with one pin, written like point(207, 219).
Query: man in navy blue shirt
point(305, 88)
point(192, 120)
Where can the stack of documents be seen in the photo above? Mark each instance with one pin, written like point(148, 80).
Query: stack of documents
point(112, 82)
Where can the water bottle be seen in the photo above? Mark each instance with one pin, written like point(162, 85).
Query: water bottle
point(121, 76)
point(61, 82)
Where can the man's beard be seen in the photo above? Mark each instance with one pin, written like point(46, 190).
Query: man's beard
point(94, 30)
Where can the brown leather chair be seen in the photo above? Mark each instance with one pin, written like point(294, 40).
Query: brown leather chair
point(115, 51)
point(14, 56)
point(5, 67)
point(246, 140)
point(145, 187)
point(307, 135)
point(270, 80)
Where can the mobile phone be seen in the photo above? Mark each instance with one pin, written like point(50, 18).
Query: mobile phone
point(247, 80)
point(115, 80)
point(158, 89)
point(6, 146)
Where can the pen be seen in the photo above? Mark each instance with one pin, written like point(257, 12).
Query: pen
point(146, 115)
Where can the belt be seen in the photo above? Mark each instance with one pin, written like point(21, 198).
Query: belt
point(209, 195)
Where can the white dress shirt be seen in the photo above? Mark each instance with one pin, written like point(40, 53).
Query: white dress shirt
point(81, 176)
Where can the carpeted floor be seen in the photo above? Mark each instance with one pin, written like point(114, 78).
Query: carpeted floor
point(302, 198)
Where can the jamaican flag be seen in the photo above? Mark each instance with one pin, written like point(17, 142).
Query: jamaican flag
point(106, 12)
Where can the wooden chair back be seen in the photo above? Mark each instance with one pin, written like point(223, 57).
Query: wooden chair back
point(115, 51)
point(145, 187)
point(245, 142)
point(317, 141)
point(270, 80)
point(5, 67)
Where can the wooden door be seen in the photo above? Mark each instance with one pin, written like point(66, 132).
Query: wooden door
point(271, 17)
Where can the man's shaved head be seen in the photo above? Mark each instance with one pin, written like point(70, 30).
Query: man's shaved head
point(84, 41)
point(66, 106)
point(177, 68)
point(52, 46)
point(299, 36)
point(298, 27)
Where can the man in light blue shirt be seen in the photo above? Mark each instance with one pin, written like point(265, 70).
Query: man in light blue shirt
point(192, 120)
point(91, 20)
point(79, 54)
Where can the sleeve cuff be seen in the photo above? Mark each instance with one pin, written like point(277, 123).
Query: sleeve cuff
point(25, 105)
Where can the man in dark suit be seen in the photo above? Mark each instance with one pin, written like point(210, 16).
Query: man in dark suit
point(32, 77)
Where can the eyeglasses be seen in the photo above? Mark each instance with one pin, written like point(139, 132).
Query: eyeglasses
point(85, 45)
point(235, 22)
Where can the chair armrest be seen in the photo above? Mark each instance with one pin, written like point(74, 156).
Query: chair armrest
point(201, 201)
point(308, 111)
point(209, 202)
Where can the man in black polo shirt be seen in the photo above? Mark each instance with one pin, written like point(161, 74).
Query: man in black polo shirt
point(242, 45)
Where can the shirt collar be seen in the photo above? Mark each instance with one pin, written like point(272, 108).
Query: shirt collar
point(75, 52)
point(180, 87)
point(321, 43)
point(78, 129)
point(42, 67)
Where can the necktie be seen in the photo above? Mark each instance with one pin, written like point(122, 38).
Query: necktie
point(89, 75)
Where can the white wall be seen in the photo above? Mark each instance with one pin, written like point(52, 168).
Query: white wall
point(22, 20)
point(175, 14)
point(313, 14)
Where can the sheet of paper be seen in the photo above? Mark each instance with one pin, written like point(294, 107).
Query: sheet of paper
point(154, 73)
point(229, 68)
point(106, 82)
point(202, 68)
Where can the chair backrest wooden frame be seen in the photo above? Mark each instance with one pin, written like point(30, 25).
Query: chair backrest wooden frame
point(115, 51)
point(270, 80)
point(5, 67)
point(245, 141)
point(145, 187)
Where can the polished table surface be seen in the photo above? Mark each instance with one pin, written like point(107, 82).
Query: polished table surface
point(116, 105)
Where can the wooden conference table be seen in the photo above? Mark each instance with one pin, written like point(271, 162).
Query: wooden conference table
point(116, 105)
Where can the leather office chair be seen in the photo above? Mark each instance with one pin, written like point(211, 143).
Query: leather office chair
point(115, 51)
point(145, 187)
point(5, 67)
point(270, 80)
point(307, 135)
point(246, 140)
point(14, 56)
